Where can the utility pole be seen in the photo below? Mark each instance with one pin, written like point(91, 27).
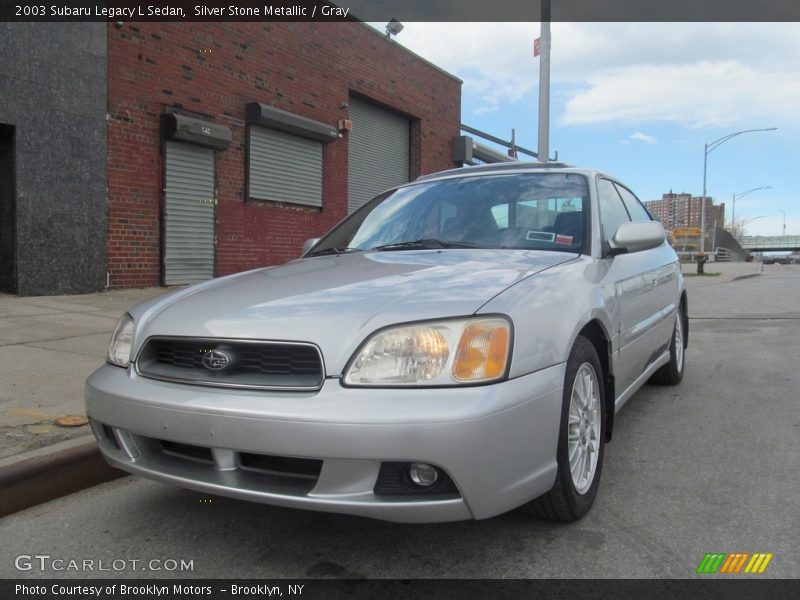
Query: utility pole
point(544, 84)
point(707, 150)
point(742, 195)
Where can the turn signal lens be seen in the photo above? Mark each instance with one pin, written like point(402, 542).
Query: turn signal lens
point(482, 352)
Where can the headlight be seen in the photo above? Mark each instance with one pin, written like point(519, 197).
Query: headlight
point(119, 350)
point(457, 352)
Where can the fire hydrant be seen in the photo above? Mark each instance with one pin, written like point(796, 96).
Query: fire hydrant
point(701, 261)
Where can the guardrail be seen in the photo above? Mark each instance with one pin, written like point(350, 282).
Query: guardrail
point(728, 255)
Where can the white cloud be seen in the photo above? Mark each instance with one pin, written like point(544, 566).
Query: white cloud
point(695, 74)
point(495, 60)
point(643, 137)
point(696, 95)
point(483, 110)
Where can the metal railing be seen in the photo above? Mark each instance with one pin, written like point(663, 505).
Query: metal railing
point(727, 255)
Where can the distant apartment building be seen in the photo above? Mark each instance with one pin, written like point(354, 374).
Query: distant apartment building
point(683, 210)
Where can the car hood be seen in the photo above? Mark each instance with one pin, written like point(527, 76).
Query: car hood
point(336, 301)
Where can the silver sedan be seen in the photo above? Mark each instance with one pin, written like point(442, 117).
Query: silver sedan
point(454, 349)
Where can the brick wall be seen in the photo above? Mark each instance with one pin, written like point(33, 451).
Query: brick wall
point(213, 70)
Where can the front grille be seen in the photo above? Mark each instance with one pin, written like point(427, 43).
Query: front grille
point(232, 363)
point(188, 451)
point(281, 465)
point(283, 475)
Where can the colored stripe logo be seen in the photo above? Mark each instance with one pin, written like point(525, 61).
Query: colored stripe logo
point(737, 562)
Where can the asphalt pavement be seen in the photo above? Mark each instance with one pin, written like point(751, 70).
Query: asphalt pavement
point(708, 466)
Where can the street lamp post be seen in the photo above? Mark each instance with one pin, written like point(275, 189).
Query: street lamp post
point(708, 149)
point(784, 221)
point(742, 195)
point(748, 221)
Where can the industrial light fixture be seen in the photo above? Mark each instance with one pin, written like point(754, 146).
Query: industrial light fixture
point(393, 27)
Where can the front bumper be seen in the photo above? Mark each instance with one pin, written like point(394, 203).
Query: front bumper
point(496, 442)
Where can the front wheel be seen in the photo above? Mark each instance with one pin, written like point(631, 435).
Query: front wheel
point(581, 440)
point(672, 372)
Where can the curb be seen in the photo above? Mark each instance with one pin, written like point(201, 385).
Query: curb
point(740, 277)
point(749, 275)
point(37, 480)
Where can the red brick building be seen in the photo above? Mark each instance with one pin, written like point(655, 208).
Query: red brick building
point(684, 210)
point(201, 114)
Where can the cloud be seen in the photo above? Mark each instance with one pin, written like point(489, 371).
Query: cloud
point(694, 74)
point(696, 95)
point(483, 110)
point(643, 137)
point(494, 60)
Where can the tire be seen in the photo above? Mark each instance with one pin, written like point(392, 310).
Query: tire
point(582, 433)
point(672, 372)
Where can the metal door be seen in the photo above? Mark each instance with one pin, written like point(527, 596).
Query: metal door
point(378, 152)
point(188, 214)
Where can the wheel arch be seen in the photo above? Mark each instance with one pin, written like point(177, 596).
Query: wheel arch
point(596, 334)
point(685, 312)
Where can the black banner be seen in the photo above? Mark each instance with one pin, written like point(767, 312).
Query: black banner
point(387, 589)
point(402, 10)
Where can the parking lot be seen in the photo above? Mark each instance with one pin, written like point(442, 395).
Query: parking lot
point(708, 466)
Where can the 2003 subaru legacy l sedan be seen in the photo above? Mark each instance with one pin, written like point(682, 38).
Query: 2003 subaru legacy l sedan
point(456, 348)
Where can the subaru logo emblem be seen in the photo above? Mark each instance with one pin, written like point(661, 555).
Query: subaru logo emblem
point(216, 360)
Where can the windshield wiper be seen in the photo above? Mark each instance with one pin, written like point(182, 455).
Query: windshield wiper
point(325, 251)
point(426, 244)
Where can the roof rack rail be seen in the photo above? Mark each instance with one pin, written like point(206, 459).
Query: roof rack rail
point(507, 166)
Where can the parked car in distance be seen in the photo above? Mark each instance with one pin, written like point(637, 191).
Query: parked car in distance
point(456, 348)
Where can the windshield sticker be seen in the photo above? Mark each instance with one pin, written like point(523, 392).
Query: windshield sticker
point(564, 240)
point(540, 236)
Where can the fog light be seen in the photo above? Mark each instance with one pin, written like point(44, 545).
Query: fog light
point(422, 474)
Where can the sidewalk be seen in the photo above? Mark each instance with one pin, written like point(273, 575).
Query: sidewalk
point(728, 271)
point(49, 345)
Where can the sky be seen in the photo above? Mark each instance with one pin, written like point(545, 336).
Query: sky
point(640, 100)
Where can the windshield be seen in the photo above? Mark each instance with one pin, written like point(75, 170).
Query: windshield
point(543, 211)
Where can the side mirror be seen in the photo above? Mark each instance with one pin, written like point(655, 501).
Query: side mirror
point(637, 236)
point(308, 245)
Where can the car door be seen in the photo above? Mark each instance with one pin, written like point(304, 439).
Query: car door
point(667, 279)
point(634, 277)
point(668, 268)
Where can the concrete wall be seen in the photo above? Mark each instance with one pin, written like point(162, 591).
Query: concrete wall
point(8, 280)
point(213, 70)
point(53, 91)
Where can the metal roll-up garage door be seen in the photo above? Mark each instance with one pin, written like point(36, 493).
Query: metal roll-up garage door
point(188, 214)
point(378, 152)
point(285, 167)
